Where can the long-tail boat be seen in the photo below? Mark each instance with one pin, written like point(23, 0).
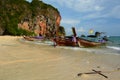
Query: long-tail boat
point(33, 38)
point(65, 41)
point(92, 40)
point(88, 43)
point(77, 41)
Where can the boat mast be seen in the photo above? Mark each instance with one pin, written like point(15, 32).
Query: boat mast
point(74, 31)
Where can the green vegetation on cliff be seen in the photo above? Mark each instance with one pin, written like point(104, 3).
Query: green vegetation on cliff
point(13, 12)
point(61, 31)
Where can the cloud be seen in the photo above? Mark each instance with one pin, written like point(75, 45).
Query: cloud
point(82, 5)
point(89, 13)
point(81, 29)
point(93, 16)
point(115, 12)
point(88, 5)
point(29, 0)
point(93, 8)
point(70, 21)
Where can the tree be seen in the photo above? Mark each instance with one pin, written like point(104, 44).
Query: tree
point(61, 31)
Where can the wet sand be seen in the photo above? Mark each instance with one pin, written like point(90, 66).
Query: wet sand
point(27, 61)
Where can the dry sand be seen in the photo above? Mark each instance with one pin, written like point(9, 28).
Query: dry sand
point(27, 61)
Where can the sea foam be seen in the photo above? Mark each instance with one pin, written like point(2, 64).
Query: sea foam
point(113, 47)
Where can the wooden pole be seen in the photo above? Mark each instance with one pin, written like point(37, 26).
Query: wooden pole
point(74, 31)
point(100, 73)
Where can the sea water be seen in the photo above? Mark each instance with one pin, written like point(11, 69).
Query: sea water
point(112, 46)
point(114, 41)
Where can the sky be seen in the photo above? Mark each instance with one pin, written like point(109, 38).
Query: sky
point(84, 15)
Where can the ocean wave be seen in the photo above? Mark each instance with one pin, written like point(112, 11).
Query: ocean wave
point(91, 50)
point(107, 50)
point(113, 47)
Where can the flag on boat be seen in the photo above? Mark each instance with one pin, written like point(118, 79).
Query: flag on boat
point(91, 31)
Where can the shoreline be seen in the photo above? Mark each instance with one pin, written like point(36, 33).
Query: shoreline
point(24, 61)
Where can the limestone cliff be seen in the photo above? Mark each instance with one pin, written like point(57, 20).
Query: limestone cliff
point(38, 17)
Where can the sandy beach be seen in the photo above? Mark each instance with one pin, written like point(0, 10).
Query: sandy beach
point(21, 60)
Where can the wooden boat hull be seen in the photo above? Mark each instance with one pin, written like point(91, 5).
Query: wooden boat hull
point(87, 43)
point(80, 42)
point(64, 42)
point(32, 38)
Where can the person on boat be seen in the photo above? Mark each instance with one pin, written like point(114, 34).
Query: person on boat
point(54, 41)
point(74, 39)
point(105, 38)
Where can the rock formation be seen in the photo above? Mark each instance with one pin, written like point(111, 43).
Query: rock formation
point(38, 17)
point(42, 25)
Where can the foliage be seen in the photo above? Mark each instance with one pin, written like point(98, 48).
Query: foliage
point(24, 32)
point(13, 11)
point(61, 31)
